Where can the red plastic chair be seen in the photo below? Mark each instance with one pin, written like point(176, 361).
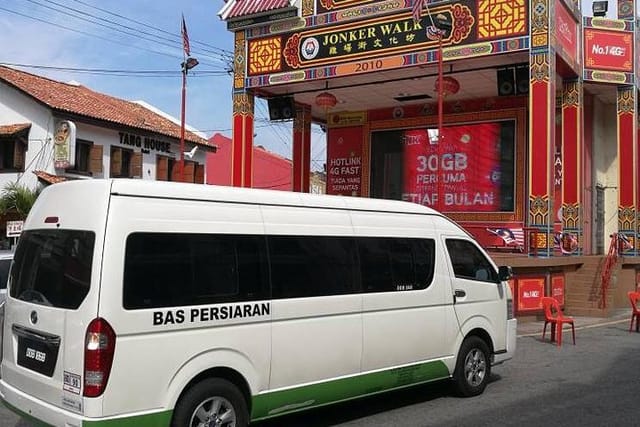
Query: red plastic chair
point(553, 315)
point(634, 297)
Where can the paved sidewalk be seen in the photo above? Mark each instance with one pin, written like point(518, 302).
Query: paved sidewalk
point(534, 327)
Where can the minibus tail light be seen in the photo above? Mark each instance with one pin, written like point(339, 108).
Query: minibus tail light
point(99, 348)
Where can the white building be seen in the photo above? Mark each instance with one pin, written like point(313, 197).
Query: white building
point(52, 131)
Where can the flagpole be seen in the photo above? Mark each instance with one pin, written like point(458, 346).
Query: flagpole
point(185, 49)
point(182, 125)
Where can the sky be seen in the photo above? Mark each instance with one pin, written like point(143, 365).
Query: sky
point(132, 49)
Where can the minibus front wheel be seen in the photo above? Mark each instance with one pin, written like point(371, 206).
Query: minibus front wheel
point(473, 367)
point(211, 402)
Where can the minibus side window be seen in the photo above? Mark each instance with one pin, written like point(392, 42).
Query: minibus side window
point(469, 263)
point(168, 269)
point(308, 266)
point(396, 264)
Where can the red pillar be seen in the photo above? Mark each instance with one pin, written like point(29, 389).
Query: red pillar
point(542, 110)
point(572, 167)
point(627, 129)
point(301, 149)
point(242, 140)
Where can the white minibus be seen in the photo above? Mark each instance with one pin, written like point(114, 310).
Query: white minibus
point(141, 303)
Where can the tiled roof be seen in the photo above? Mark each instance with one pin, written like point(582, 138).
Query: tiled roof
point(240, 8)
point(80, 100)
point(10, 130)
point(49, 178)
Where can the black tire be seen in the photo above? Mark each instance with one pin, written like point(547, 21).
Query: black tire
point(473, 367)
point(211, 399)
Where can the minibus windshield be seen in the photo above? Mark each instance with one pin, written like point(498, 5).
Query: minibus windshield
point(52, 267)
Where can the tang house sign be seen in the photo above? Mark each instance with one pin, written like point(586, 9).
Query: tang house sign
point(64, 144)
point(608, 55)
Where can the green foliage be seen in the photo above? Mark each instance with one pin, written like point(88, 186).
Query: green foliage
point(17, 199)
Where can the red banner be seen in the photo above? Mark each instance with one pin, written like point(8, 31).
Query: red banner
point(344, 161)
point(530, 293)
point(557, 288)
point(567, 31)
point(460, 173)
point(608, 50)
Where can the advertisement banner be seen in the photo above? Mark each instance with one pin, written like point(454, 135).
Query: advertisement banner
point(64, 145)
point(608, 50)
point(530, 293)
point(567, 33)
point(344, 161)
point(459, 173)
point(557, 288)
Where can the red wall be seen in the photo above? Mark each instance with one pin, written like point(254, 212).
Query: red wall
point(270, 170)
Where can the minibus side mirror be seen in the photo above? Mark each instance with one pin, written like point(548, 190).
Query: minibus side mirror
point(505, 272)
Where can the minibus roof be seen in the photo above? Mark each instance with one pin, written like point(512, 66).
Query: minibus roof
point(184, 191)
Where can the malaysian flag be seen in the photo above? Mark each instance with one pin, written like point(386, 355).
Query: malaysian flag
point(511, 236)
point(185, 38)
point(567, 242)
point(625, 243)
point(416, 11)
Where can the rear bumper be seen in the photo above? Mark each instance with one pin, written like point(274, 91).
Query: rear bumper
point(31, 408)
point(512, 329)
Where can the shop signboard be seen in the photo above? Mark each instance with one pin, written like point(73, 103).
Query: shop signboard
point(334, 45)
point(344, 161)
point(530, 293)
point(64, 144)
point(14, 228)
point(608, 51)
point(567, 34)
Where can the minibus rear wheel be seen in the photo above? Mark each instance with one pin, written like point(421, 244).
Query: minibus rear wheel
point(211, 402)
point(473, 367)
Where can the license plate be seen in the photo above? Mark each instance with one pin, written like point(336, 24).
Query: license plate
point(71, 382)
point(37, 356)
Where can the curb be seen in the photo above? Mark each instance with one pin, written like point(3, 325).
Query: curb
point(578, 328)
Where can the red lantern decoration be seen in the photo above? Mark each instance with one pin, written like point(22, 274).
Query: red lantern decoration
point(326, 100)
point(450, 86)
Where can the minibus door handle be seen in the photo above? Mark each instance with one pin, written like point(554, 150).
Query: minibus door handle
point(458, 293)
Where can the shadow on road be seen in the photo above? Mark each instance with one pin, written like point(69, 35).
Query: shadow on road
point(368, 406)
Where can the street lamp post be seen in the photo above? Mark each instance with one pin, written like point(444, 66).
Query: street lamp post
point(188, 64)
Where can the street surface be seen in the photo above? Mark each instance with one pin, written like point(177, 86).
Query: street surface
point(595, 383)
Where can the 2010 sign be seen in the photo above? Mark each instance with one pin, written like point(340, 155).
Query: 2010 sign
point(608, 50)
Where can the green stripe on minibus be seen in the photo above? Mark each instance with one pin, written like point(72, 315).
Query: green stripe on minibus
point(148, 420)
point(271, 404)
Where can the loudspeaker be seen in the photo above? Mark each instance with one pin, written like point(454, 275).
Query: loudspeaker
point(506, 82)
point(522, 80)
point(281, 108)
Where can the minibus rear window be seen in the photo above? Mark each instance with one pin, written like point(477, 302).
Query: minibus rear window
point(53, 267)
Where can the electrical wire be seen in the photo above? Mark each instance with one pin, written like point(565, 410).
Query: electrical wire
point(228, 53)
point(90, 34)
point(120, 28)
point(117, 73)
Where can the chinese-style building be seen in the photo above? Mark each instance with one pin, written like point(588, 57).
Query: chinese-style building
point(516, 118)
